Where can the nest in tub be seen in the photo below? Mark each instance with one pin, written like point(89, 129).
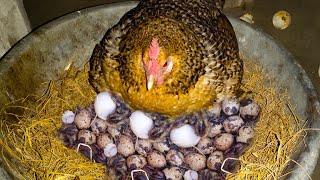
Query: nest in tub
point(32, 147)
point(141, 145)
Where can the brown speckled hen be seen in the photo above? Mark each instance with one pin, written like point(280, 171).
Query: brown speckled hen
point(169, 56)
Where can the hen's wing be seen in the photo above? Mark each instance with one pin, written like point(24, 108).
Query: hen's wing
point(104, 57)
point(96, 71)
point(225, 68)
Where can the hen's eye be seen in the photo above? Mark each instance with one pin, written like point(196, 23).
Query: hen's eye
point(165, 64)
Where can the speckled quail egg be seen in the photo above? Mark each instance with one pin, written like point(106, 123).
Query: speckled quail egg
point(83, 119)
point(156, 159)
point(87, 137)
point(215, 160)
point(230, 106)
point(161, 146)
point(249, 110)
point(246, 133)
point(195, 161)
point(114, 132)
point(206, 145)
point(173, 173)
point(125, 146)
point(68, 134)
point(174, 157)
point(223, 141)
point(143, 146)
point(232, 124)
point(215, 129)
point(103, 140)
point(136, 162)
point(98, 126)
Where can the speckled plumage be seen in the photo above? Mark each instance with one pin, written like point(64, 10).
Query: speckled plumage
point(198, 37)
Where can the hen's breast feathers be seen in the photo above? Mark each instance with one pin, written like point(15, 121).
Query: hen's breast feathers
point(195, 33)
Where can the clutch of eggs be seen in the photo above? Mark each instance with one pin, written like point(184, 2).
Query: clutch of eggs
point(229, 127)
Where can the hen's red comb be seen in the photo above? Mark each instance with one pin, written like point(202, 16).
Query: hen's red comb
point(154, 49)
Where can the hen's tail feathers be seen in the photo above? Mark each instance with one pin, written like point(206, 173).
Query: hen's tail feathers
point(219, 3)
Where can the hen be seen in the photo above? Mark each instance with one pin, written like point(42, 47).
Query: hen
point(169, 56)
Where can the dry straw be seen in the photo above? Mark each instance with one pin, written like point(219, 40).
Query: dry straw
point(31, 149)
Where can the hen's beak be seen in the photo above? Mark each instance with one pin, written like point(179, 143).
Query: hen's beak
point(150, 82)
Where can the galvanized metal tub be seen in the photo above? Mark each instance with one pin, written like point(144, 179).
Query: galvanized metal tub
point(43, 55)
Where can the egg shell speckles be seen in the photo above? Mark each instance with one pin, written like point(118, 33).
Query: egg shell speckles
point(156, 159)
point(230, 106)
point(184, 136)
point(223, 141)
point(173, 173)
point(215, 129)
point(114, 132)
point(103, 140)
point(68, 117)
point(246, 133)
point(161, 146)
point(249, 110)
point(136, 162)
point(195, 161)
point(205, 145)
point(215, 160)
point(232, 124)
point(83, 119)
point(98, 126)
point(104, 105)
point(192, 146)
point(125, 146)
point(143, 146)
point(174, 157)
point(87, 137)
point(68, 134)
point(140, 124)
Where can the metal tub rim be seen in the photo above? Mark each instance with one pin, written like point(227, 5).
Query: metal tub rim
point(307, 159)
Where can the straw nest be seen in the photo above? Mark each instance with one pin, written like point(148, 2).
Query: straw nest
point(31, 149)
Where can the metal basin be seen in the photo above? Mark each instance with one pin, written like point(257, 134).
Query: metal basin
point(43, 55)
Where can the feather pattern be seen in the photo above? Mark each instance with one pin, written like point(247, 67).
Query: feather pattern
point(197, 38)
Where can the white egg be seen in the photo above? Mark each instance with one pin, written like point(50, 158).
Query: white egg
point(190, 175)
point(68, 117)
point(184, 136)
point(140, 124)
point(110, 150)
point(104, 105)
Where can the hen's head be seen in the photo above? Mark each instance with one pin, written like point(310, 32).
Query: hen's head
point(156, 64)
